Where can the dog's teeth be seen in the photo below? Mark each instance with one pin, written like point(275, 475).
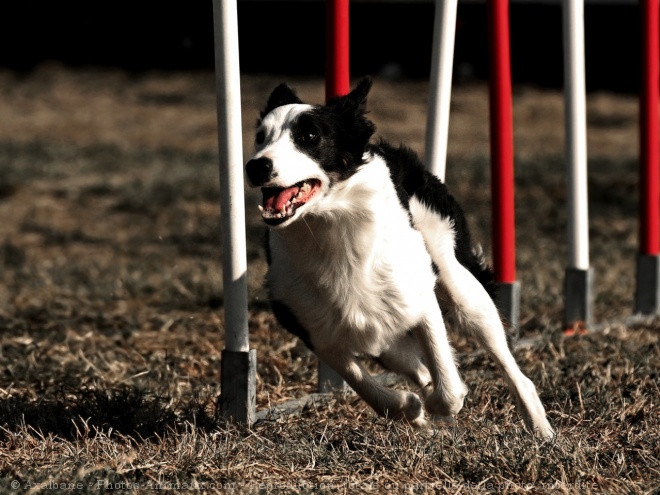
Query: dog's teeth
point(283, 210)
point(261, 208)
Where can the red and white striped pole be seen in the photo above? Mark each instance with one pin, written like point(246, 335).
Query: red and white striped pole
point(501, 148)
point(647, 297)
point(337, 83)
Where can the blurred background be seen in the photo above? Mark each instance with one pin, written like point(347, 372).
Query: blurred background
point(392, 38)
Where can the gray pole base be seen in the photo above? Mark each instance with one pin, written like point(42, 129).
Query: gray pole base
point(647, 295)
point(578, 297)
point(239, 386)
point(507, 301)
point(329, 379)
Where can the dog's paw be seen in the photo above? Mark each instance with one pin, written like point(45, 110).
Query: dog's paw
point(414, 412)
point(443, 403)
point(539, 425)
point(445, 420)
point(421, 423)
point(531, 409)
point(413, 409)
point(544, 431)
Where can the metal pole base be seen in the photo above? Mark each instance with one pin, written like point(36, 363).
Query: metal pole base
point(239, 386)
point(329, 379)
point(507, 301)
point(578, 298)
point(647, 295)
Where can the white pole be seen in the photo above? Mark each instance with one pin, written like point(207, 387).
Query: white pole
point(239, 363)
point(437, 124)
point(578, 291)
point(576, 135)
point(230, 142)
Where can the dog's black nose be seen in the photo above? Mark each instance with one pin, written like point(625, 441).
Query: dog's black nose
point(259, 170)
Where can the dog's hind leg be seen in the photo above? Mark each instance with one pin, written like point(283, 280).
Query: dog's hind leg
point(477, 313)
point(395, 404)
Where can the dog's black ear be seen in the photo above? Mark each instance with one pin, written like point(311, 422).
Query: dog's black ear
point(356, 100)
point(281, 95)
point(356, 128)
point(359, 94)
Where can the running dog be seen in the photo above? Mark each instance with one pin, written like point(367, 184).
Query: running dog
point(363, 246)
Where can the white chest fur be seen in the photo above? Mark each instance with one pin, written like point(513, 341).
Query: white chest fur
point(353, 270)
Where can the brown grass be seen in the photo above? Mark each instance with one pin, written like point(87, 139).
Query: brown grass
point(111, 306)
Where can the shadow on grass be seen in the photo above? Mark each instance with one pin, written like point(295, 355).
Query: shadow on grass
point(136, 414)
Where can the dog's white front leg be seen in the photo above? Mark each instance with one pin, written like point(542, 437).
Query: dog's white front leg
point(405, 356)
point(395, 404)
point(449, 391)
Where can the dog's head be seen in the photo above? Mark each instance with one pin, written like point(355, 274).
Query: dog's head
point(303, 150)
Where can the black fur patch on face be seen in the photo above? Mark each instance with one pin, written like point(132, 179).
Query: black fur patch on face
point(336, 135)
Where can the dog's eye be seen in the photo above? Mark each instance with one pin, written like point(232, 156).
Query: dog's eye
point(260, 138)
point(307, 137)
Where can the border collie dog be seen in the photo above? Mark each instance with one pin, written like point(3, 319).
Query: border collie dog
point(363, 247)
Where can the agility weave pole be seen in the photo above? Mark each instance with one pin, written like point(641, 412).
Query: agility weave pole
point(442, 61)
point(239, 363)
point(337, 83)
point(578, 282)
point(647, 294)
point(501, 151)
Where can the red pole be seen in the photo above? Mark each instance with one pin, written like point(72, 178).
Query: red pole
point(336, 48)
point(337, 83)
point(501, 143)
point(649, 200)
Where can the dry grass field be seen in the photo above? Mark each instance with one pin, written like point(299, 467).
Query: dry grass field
point(111, 305)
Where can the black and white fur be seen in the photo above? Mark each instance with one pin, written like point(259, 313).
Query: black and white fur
point(363, 244)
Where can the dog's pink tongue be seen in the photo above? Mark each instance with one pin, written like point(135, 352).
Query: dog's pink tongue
point(275, 197)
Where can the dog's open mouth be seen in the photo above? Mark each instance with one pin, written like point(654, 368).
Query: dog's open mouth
point(281, 203)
